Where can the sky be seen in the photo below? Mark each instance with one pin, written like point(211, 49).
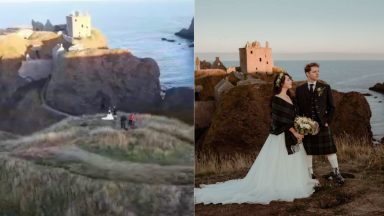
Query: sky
point(290, 26)
point(29, 1)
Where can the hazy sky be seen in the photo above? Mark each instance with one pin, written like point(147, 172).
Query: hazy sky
point(290, 26)
point(28, 1)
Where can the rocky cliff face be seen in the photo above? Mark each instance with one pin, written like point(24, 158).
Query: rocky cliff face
point(378, 87)
point(208, 79)
point(86, 81)
point(20, 110)
point(242, 119)
point(12, 52)
point(178, 103)
point(187, 33)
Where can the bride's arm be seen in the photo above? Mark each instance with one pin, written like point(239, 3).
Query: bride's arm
point(296, 134)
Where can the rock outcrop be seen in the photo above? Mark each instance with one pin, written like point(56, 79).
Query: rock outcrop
point(242, 119)
point(84, 81)
point(204, 111)
point(21, 111)
point(80, 82)
point(187, 33)
point(378, 87)
point(12, 52)
point(46, 41)
point(208, 79)
point(178, 103)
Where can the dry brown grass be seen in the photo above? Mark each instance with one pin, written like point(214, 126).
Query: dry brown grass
point(12, 46)
point(358, 150)
point(362, 194)
point(83, 166)
point(97, 40)
point(211, 163)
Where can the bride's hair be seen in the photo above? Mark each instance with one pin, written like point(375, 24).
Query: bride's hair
point(279, 82)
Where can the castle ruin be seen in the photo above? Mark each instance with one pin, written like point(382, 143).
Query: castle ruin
point(79, 25)
point(254, 58)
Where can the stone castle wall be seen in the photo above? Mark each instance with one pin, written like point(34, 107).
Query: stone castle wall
point(254, 58)
point(79, 25)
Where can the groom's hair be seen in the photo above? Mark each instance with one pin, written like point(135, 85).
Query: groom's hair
point(307, 67)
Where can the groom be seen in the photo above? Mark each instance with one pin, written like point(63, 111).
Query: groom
point(314, 100)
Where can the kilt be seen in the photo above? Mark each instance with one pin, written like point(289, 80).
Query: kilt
point(321, 143)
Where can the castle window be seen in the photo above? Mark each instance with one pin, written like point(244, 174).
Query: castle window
point(82, 26)
point(260, 59)
point(251, 52)
point(267, 62)
point(75, 20)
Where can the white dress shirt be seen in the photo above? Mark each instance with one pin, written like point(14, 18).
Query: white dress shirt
point(314, 85)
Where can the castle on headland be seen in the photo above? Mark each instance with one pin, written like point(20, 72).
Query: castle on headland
point(43, 56)
point(254, 58)
point(79, 25)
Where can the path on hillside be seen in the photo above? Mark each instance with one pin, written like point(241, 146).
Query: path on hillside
point(82, 162)
point(46, 106)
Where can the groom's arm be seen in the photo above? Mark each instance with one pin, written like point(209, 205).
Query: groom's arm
point(330, 105)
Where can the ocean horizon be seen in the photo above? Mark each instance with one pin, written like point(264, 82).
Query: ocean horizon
point(343, 76)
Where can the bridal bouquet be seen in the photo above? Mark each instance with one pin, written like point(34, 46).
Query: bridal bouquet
point(305, 126)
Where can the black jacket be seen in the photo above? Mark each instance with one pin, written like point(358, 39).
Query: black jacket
point(323, 102)
point(283, 115)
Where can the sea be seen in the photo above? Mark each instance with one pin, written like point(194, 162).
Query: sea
point(134, 25)
point(344, 76)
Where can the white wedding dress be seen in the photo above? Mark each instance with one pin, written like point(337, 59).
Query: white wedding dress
point(109, 116)
point(274, 175)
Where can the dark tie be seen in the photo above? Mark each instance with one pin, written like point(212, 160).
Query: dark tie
point(311, 88)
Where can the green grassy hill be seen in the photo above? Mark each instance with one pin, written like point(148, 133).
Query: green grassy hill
point(87, 166)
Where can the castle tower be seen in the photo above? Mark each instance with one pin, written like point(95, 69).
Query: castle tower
point(197, 64)
point(79, 25)
point(254, 58)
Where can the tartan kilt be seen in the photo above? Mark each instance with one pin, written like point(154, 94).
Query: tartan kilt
point(321, 143)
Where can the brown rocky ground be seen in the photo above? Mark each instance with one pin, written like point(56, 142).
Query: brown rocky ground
point(363, 195)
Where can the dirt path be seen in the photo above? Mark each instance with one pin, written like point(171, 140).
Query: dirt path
point(79, 161)
point(46, 106)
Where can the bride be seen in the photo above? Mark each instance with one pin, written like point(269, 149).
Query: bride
point(280, 170)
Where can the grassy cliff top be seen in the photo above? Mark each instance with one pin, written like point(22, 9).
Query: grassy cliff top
point(12, 46)
point(159, 147)
point(97, 40)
